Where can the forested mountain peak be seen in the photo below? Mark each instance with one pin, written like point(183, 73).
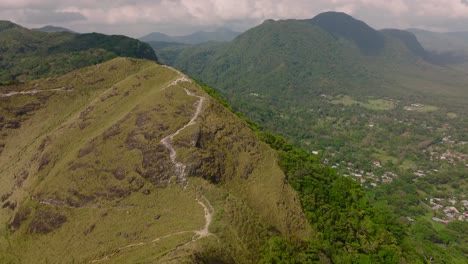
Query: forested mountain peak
point(343, 25)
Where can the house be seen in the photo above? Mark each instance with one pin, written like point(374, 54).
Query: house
point(440, 220)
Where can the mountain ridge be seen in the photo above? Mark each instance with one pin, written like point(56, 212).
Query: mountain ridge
point(110, 154)
point(221, 34)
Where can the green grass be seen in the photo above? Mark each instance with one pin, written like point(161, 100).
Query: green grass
point(384, 158)
point(372, 104)
point(408, 165)
point(130, 221)
point(380, 104)
point(452, 115)
point(344, 100)
point(95, 153)
point(422, 108)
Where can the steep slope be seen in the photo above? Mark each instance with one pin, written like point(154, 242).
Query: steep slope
point(221, 34)
point(129, 161)
point(28, 54)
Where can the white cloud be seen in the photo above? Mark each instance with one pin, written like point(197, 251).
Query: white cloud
point(137, 17)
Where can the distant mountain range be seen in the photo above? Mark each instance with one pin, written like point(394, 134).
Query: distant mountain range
point(221, 34)
point(330, 53)
point(446, 47)
point(441, 41)
point(53, 29)
point(311, 56)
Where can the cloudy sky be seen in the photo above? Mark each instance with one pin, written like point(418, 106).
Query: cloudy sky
point(138, 17)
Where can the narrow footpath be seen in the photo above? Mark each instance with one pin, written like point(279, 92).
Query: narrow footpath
point(63, 89)
point(181, 177)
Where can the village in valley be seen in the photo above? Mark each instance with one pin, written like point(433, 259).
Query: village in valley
point(447, 152)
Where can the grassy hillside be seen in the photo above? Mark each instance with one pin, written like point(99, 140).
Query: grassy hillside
point(28, 54)
point(86, 176)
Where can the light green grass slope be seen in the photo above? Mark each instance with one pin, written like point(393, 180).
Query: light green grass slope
point(86, 179)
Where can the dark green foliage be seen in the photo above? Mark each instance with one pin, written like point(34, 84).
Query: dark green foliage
point(351, 226)
point(26, 54)
point(274, 60)
point(349, 229)
point(210, 91)
point(280, 250)
point(120, 45)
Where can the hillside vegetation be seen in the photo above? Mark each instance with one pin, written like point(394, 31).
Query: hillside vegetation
point(88, 175)
point(27, 54)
